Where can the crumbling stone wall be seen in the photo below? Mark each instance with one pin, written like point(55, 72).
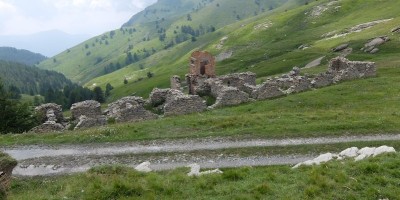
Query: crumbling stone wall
point(201, 67)
point(89, 108)
point(88, 114)
point(51, 117)
point(157, 97)
point(129, 109)
point(175, 82)
point(343, 69)
point(184, 104)
point(230, 96)
point(42, 110)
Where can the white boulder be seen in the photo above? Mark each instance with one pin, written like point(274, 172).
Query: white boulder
point(144, 167)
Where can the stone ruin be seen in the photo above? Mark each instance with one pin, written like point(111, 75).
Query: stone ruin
point(227, 90)
point(129, 109)
point(202, 67)
point(51, 117)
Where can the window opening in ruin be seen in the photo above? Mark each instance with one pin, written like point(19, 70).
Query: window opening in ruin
point(203, 67)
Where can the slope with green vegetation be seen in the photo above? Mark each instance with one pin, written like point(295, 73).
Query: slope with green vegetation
point(266, 44)
point(155, 30)
point(20, 56)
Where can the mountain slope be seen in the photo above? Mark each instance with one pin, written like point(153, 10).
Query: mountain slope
point(156, 29)
point(266, 44)
point(20, 56)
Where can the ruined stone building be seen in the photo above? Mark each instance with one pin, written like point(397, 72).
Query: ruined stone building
point(202, 67)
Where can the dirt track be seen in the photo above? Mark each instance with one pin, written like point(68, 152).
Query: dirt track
point(56, 159)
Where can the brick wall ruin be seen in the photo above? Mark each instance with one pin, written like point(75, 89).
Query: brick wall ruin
point(201, 67)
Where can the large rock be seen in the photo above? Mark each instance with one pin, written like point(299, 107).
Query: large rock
point(42, 111)
point(89, 122)
point(184, 104)
point(88, 108)
point(340, 47)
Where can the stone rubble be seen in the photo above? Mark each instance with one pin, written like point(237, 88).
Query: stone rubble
point(195, 170)
point(89, 108)
point(178, 103)
point(372, 45)
point(353, 152)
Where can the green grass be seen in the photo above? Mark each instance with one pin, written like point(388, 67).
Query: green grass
point(373, 178)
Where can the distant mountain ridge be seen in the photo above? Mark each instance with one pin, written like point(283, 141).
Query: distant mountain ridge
point(48, 43)
point(20, 56)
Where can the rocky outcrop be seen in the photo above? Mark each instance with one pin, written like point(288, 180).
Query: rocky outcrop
point(396, 30)
point(179, 104)
point(89, 108)
point(129, 109)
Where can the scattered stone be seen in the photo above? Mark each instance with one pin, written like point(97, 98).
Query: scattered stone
point(374, 51)
point(195, 171)
point(371, 46)
point(396, 30)
point(316, 161)
point(144, 167)
point(89, 108)
point(303, 47)
point(340, 47)
point(352, 152)
point(349, 152)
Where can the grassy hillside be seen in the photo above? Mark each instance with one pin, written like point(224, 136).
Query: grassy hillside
point(21, 56)
point(266, 51)
point(155, 30)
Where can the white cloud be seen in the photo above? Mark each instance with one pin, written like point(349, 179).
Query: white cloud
point(72, 16)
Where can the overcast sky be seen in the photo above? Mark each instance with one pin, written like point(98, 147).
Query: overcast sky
point(93, 17)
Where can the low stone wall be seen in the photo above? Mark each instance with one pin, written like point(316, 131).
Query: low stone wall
point(89, 122)
point(230, 96)
point(184, 104)
point(88, 108)
point(129, 109)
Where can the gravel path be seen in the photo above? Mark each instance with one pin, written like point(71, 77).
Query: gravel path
point(56, 159)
